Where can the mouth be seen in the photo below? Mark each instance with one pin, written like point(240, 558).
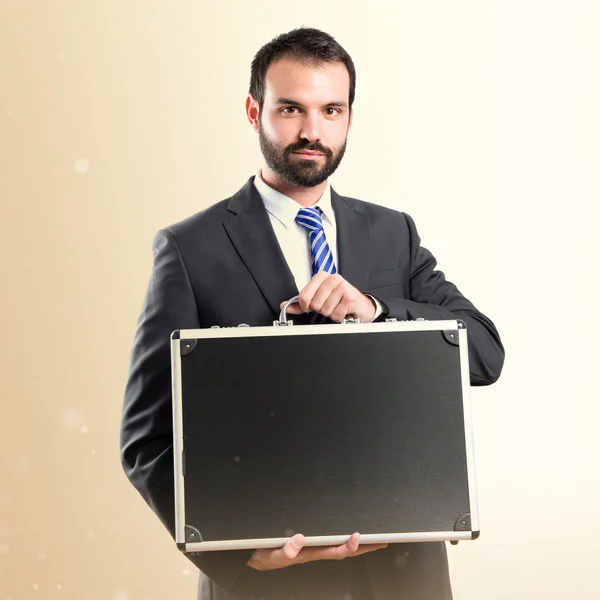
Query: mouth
point(308, 154)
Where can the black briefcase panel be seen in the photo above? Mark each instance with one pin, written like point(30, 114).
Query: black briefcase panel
point(322, 430)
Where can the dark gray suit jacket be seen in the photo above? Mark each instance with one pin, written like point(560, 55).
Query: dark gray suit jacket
point(223, 266)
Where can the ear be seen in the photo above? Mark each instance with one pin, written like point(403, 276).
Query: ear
point(252, 112)
point(351, 118)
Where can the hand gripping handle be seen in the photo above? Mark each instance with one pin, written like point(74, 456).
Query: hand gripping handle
point(283, 320)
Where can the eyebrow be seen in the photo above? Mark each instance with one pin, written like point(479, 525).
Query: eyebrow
point(296, 103)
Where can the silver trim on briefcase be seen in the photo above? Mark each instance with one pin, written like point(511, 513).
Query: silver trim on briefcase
point(189, 537)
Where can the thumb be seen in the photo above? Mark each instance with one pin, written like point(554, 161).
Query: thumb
point(292, 547)
point(293, 309)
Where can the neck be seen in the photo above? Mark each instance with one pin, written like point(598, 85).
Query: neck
point(302, 195)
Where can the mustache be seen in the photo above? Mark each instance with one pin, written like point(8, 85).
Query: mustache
point(305, 145)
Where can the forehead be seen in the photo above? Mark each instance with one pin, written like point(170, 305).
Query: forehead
point(307, 83)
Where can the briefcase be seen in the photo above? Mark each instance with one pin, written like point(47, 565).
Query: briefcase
point(323, 430)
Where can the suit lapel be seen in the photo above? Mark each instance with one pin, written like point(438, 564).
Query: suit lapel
point(252, 235)
point(352, 240)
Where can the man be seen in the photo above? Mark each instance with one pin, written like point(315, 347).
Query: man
point(288, 232)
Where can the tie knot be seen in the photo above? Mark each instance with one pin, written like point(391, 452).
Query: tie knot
point(310, 219)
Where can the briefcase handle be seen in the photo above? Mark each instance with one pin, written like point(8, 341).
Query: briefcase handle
point(283, 320)
point(283, 314)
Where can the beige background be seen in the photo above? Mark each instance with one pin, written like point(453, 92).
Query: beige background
point(478, 118)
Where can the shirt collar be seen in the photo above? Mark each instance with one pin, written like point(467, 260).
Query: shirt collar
point(285, 209)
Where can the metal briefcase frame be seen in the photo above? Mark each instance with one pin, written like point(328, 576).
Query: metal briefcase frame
point(425, 472)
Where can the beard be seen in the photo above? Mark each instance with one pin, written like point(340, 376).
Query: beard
point(297, 171)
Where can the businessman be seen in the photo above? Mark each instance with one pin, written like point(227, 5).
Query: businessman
point(287, 232)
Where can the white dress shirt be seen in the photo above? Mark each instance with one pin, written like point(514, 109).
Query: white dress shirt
point(293, 238)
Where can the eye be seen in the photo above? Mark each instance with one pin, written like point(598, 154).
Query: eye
point(330, 111)
point(288, 110)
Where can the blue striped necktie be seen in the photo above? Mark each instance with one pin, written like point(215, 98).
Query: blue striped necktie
point(322, 257)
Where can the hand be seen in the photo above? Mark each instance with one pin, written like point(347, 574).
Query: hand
point(293, 553)
point(332, 296)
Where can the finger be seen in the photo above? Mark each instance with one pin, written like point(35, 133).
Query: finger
point(348, 304)
point(353, 542)
point(289, 551)
point(342, 310)
point(328, 283)
point(329, 295)
point(350, 548)
point(345, 551)
point(364, 548)
point(337, 552)
point(307, 293)
point(294, 309)
point(353, 547)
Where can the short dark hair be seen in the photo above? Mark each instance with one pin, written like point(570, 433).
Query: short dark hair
point(305, 44)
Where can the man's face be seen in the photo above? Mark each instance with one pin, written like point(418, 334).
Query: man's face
point(304, 121)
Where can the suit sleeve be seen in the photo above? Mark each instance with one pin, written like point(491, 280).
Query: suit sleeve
point(433, 297)
point(146, 425)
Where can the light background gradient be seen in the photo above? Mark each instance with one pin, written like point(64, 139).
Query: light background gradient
point(478, 118)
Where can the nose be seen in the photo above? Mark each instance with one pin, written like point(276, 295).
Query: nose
point(311, 127)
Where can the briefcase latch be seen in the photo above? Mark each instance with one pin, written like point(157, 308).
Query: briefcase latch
point(351, 321)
